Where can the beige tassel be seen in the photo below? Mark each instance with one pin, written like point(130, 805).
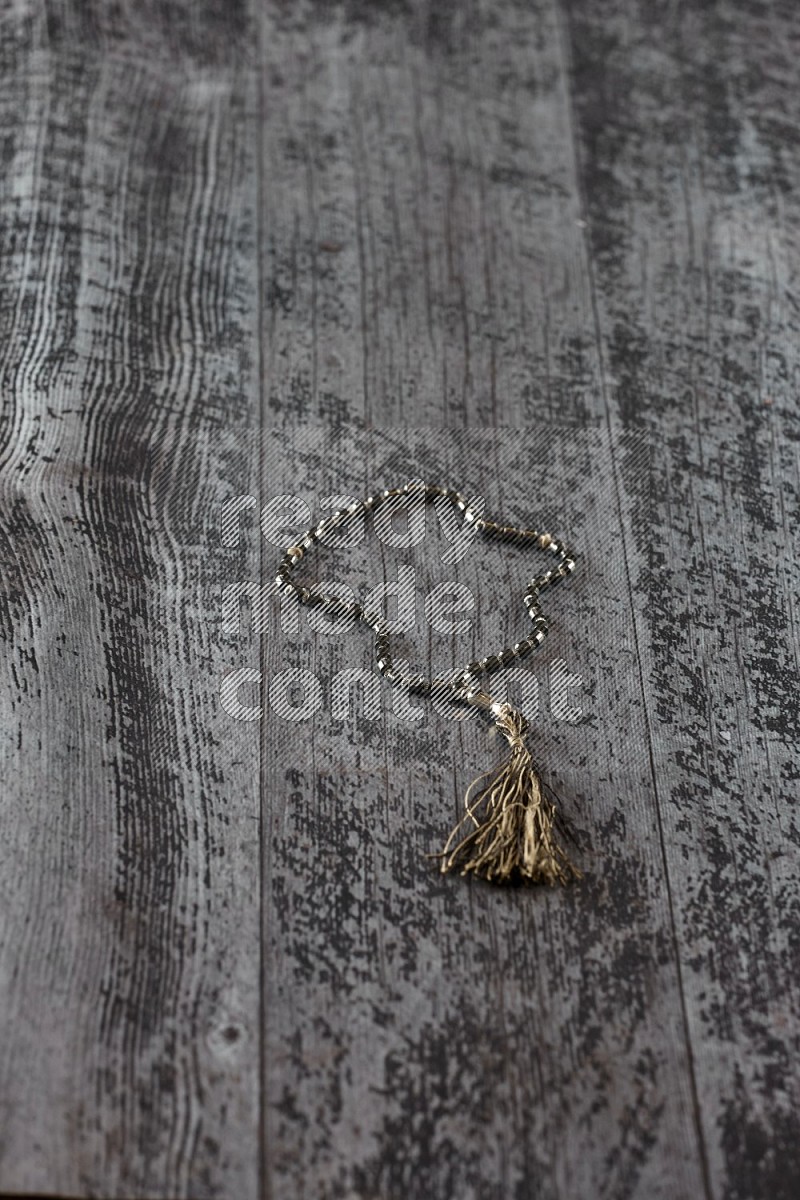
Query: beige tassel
point(510, 822)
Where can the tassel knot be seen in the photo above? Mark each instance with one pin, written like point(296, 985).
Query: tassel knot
point(512, 725)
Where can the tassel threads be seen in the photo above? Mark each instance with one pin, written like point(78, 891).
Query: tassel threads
point(511, 833)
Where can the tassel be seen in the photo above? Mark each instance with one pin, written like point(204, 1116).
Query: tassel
point(511, 834)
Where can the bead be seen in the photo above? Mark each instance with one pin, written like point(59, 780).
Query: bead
point(334, 606)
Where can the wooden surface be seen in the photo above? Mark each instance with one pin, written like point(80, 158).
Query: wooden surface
point(547, 251)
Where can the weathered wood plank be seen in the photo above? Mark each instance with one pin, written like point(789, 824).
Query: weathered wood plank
point(690, 177)
point(129, 862)
point(484, 198)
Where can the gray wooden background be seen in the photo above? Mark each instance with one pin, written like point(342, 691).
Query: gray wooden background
point(546, 251)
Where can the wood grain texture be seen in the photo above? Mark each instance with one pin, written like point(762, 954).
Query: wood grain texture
point(130, 1013)
point(696, 282)
point(547, 251)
